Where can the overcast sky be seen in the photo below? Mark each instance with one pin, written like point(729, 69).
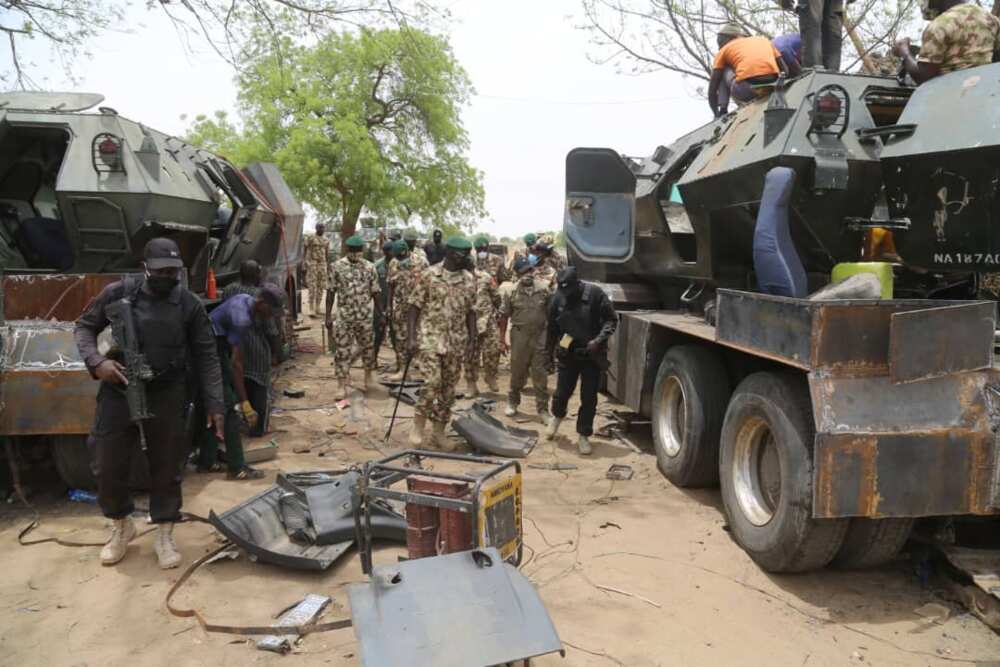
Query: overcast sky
point(538, 97)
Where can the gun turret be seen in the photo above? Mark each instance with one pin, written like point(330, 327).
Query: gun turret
point(137, 369)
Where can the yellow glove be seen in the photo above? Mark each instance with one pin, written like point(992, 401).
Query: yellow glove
point(248, 412)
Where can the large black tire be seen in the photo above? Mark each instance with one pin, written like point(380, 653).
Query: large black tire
point(766, 472)
point(74, 462)
point(688, 406)
point(872, 542)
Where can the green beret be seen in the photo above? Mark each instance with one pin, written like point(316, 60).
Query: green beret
point(400, 247)
point(530, 239)
point(410, 235)
point(459, 243)
point(482, 241)
point(355, 242)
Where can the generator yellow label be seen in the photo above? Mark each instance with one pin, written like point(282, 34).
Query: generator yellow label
point(500, 516)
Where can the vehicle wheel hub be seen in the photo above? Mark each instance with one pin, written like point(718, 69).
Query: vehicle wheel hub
point(672, 416)
point(756, 472)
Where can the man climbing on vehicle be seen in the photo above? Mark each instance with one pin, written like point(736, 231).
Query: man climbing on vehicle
point(741, 64)
point(821, 24)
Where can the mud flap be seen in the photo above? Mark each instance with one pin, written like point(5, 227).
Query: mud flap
point(600, 205)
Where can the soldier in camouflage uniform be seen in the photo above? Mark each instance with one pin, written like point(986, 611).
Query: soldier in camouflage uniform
point(526, 307)
point(488, 262)
point(317, 262)
point(486, 355)
point(354, 283)
point(443, 307)
point(416, 253)
point(553, 258)
point(404, 273)
point(545, 270)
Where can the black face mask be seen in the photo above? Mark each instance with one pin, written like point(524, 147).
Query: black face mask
point(161, 286)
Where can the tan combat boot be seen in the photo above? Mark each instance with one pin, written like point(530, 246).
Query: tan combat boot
point(368, 380)
point(122, 532)
point(553, 427)
point(491, 383)
point(583, 445)
point(166, 550)
point(442, 441)
point(417, 434)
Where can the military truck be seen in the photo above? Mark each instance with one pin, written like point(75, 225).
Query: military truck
point(81, 192)
point(830, 425)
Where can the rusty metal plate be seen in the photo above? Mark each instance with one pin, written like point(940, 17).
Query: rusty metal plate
point(876, 405)
point(939, 341)
point(902, 475)
point(777, 327)
point(30, 399)
point(51, 296)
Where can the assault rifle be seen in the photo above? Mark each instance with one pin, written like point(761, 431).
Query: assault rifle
point(137, 369)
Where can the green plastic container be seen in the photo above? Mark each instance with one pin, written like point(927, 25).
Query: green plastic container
point(882, 271)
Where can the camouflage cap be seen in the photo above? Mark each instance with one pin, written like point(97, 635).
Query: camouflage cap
point(355, 242)
point(459, 243)
point(530, 238)
point(482, 241)
point(399, 247)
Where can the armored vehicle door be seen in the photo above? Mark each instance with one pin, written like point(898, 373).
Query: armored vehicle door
point(600, 205)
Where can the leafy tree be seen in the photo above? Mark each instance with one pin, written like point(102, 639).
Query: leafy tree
point(679, 35)
point(365, 122)
point(229, 27)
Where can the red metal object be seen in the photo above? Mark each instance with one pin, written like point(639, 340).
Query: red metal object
point(52, 296)
point(432, 531)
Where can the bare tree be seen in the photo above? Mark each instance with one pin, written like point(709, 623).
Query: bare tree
point(679, 35)
point(231, 28)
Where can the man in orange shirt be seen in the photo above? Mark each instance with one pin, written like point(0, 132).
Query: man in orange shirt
point(742, 62)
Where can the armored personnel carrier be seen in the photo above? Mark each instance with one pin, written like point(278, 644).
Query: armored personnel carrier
point(831, 425)
point(81, 192)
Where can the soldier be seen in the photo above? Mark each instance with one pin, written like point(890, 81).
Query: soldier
point(553, 258)
point(960, 35)
point(529, 242)
point(173, 331)
point(526, 308)
point(355, 285)
point(486, 353)
point(488, 262)
point(545, 266)
point(416, 253)
point(382, 270)
point(317, 262)
point(581, 320)
point(821, 24)
point(442, 305)
point(434, 249)
point(404, 273)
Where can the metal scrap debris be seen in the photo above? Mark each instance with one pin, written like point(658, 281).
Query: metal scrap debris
point(304, 612)
point(620, 472)
point(487, 434)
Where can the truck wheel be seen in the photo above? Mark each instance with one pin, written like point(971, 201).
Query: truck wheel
point(766, 474)
point(872, 542)
point(688, 406)
point(72, 456)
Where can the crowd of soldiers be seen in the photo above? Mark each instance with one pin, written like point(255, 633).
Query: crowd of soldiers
point(444, 310)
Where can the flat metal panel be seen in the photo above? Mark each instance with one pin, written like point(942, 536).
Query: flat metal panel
point(29, 397)
point(938, 341)
point(51, 296)
point(777, 327)
point(902, 475)
point(876, 405)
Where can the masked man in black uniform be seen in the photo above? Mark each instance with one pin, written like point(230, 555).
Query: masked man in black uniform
point(173, 331)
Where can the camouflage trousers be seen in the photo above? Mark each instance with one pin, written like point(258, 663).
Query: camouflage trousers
point(441, 373)
point(486, 356)
point(527, 356)
point(399, 325)
point(347, 334)
point(316, 278)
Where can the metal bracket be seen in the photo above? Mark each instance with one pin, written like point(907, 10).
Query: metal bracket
point(831, 168)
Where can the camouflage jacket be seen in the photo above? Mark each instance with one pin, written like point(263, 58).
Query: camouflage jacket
point(403, 278)
point(419, 257)
point(964, 36)
point(316, 249)
point(354, 284)
point(445, 299)
point(493, 265)
point(487, 301)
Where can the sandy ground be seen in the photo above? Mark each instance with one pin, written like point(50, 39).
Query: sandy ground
point(689, 595)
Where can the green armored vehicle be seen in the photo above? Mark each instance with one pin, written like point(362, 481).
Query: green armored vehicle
point(81, 192)
point(831, 422)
